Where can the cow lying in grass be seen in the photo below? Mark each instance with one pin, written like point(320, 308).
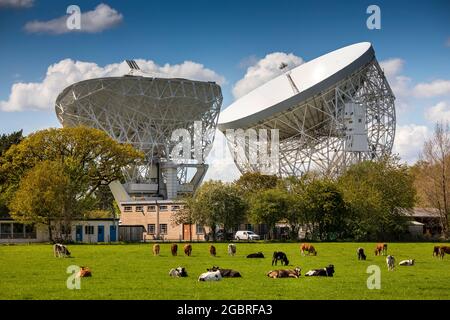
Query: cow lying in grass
point(278, 255)
point(179, 272)
point(210, 276)
point(84, 272)
point(226, 273)
point(409, 262)
point(60, 250)
point(256, 255)
point(283, 273)
point(324, 272)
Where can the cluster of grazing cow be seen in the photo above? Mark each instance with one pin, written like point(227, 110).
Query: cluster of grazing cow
point(307, 247)
point(440, 251)
point(179, 272)
point(381, 249)
point(278, 255)
point(324, 272)
point(174, 249)
point(60, 250)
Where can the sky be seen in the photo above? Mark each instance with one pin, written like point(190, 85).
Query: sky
point(238, 44)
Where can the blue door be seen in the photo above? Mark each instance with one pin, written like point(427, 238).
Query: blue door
point(112, 233)
point(101, 234)
point(79, 234)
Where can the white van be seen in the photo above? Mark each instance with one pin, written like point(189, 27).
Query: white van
point(246, 235)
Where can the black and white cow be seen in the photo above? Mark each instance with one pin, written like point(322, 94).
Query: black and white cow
point(179, 272)
point(226, 273)
point(409, 262)
point(324, 272)
point(390, 261)
point(361, 254)
point(210, 276)
point(60, 250)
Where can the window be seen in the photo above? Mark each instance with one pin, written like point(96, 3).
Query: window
point(162, 208)
point(175, 208)
point(248, 226)
point(18, 229)
point(127, 209)
point(139, 209)
point(151, 208)
point(200, 229)
point(5, 230)
point(151, 228)
point(359, 120)
point(163, 228)
point(89, 229)
point(30, 231)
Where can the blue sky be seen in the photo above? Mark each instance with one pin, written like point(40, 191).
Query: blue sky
point(227, 37)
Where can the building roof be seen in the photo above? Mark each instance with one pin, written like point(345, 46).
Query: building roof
point(422, 212)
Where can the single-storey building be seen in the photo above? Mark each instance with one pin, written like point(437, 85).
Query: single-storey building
point(83, 230)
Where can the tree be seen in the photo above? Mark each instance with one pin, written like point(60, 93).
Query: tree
point(268, 207)
point(185, 215)
point(376, 192)
point(325, 209)
point(217, 203)
point(42, 197)
point(432, 175)
point(251, 182)
point(89, 158)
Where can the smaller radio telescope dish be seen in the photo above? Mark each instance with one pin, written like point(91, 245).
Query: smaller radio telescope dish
point(332, 111)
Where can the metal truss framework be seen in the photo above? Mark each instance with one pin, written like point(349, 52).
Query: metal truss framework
point(312, 134)
point(144, 112)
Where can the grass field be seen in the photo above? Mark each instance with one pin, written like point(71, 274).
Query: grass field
point(132, 272)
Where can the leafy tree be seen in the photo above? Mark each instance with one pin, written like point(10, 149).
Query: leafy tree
point(89, 157)
point(251, 182)
point(42, 197)
point(217, 203)
point(268, 207)
point(376, 192)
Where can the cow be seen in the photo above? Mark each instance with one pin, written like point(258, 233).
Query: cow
point(84, 272)
point(283, 273)
point(212, 250)
point(231, 249)
point(256, 255)
point(179, 272)
point(409, 262)
point(361, 254)
point(390, 261)
point(309, 248)
point(156, 249)
point(443, 250)
point(324, 272)
point(278, 255)
point(436, 251)
point(188, 250)
point(174, 249)
point(210, 276)
point(60, 250)
point(381, 249)
point(226, 273)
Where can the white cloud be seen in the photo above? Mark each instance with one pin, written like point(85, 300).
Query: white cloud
point(435, 88)
point(16, 3)
point(263, 71)
point(409, 140)
point(400, 84)
point(101, 18)
point(438, 113)
point(42, 95)
point(392, 67)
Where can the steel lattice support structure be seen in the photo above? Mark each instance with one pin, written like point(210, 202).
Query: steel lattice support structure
point(144, 112)
point(313, 135)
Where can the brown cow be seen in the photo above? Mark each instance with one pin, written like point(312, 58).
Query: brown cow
point(174, 249)
point(443, 250)
point(156, 249)
point(188, 250)
point(283, 273)
point(212, 251)
point(84, 272)
point(436, 251)
point(381, 249)
point(308, 247)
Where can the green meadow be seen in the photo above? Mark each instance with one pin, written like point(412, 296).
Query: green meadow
point(131, 271)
